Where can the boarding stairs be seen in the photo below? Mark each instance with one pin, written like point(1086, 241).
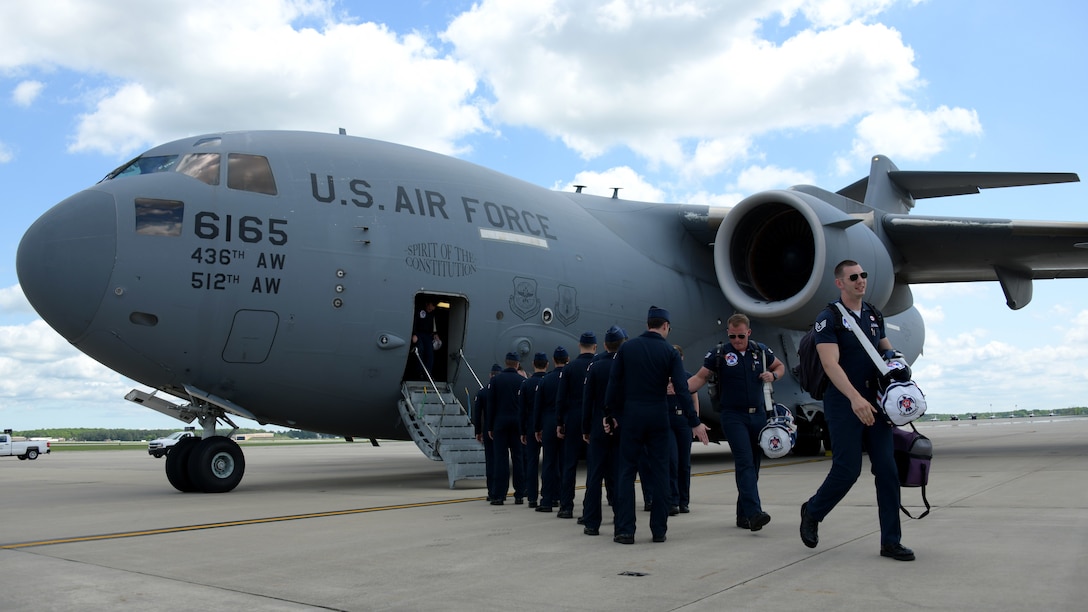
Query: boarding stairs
point(442, 429)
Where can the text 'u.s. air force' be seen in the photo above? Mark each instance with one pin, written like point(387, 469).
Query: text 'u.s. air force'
point(433, 204)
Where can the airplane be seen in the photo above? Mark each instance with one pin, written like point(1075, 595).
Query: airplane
point(275, 275)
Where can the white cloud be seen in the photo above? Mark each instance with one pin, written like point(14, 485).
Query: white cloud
point(12, 301)
point(971, 372)
point(26, 92)
point(759, 178)
point(837, 12)
point(632, 185)
point(6, 153)
point(45, 376)
point(206, 66)
point(600, 75)
point(911, 134)
point(687, 85)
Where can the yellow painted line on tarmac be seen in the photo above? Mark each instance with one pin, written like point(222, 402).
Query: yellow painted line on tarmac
point(257, 521)
point(311, 515)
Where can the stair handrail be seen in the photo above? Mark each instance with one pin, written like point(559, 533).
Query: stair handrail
point(461, 354)
point(434, 385)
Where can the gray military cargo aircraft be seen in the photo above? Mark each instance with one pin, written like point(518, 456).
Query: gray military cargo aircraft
point(276, 275)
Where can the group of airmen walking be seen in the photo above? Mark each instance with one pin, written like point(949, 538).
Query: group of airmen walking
point(632, 410)
point(618, 410)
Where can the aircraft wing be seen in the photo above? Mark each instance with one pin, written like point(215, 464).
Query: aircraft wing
point(951, 249)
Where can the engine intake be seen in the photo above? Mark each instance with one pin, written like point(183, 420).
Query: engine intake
point(775, 255)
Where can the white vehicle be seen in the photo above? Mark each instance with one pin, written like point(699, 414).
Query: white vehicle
point(29, 449)
point(159, 447)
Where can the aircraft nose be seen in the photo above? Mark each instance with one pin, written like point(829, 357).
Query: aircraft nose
point(66, 258)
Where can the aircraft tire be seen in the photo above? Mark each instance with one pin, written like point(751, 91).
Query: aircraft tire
point(177, 465)
point(216, 465)
point(32, 454)
point(809, 438)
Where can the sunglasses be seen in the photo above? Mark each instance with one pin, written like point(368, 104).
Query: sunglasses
point(854, 277)
point(735, 336)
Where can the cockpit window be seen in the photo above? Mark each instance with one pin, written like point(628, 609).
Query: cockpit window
point(250, 173)
point(201, 166)
point(159, 217)
point(145, 165)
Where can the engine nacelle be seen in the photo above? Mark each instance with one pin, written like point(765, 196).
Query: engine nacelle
point(776, 251)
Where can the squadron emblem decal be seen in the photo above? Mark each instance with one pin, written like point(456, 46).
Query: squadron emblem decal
point(524, 302)
point(566, 308)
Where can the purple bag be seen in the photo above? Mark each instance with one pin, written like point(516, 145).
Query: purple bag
point(913, 455)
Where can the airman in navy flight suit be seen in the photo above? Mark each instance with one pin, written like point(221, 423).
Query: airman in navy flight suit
point(680, 450)
point(602, 447)
point(424, 333)
point(530, 445)
point(568, 412)
point(545, 428)
point(742, 367)
point(637, 409)
point(853, 421)
point(479, 418)
point(504, 427)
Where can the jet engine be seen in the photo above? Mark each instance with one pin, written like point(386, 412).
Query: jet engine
point(775, 255)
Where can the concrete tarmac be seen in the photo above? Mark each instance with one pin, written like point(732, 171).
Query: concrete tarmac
point(353, 527)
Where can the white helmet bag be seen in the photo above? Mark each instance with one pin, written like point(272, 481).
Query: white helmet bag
point(779, 435)
point(902, 402)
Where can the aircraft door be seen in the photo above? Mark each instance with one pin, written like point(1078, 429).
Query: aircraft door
point(450, 323)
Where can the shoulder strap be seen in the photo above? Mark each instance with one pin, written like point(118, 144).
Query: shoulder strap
point(924, 500)
point(865, 344)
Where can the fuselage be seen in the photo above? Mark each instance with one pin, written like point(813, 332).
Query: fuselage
point(280, 271)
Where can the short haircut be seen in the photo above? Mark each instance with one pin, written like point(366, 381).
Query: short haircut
point(540, 364)
point(846, 263)
point(738, 319)
point(613, 346)
point(656, 323)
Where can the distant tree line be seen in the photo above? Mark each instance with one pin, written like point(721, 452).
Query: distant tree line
point(79, 434)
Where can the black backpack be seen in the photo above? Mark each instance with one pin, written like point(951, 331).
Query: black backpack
point(809, 370)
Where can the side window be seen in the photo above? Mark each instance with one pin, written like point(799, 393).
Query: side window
point(159, 217)
point(250, 173)
point(202, 166)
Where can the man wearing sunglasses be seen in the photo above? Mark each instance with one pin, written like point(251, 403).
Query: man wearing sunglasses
point(851, 415)
point(742, 367)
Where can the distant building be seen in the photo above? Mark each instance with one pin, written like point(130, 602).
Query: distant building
point(246, 437)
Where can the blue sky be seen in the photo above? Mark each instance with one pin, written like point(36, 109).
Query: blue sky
point(679, 101)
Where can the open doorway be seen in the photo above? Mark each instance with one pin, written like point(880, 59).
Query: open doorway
point(447, 321)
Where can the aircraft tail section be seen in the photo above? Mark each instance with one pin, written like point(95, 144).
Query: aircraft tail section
point(918, 184)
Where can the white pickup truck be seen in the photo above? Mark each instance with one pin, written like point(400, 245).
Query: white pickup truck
point(29, 449)
point(159, 447)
